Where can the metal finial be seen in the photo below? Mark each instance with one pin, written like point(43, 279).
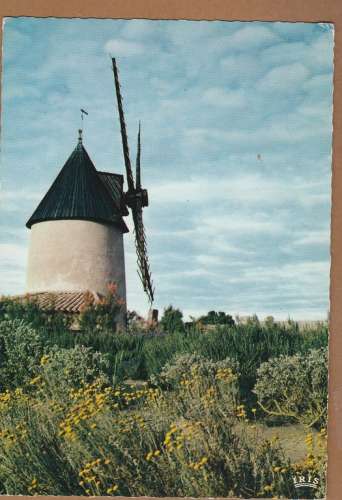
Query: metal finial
point(80, 130)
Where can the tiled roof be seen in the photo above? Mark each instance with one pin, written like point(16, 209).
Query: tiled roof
point(79, 192)
point(70, 302)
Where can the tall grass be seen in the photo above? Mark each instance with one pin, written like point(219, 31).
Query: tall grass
point(250, 345)
point(140, 356)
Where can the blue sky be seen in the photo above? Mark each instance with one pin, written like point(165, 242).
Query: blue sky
point(236, 151)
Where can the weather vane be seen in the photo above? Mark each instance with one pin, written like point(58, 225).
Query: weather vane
point(80, 130)
point(83, 112)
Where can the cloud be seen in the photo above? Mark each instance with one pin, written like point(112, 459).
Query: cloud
point(241, 68)
point(17, 41)
point(313, 238)
point(220, 97)
point(287, 130)
point(321, 52)
point(12, 200)
point(182, 33)
point(251, 37)
point(242, 224)
point(315, 52)
point(287, 53)
point(11, 253)
point(320, 85)
point(20, 91)
point(284, 78)
point(162, 87)
point(301, 274)
point(142, 29)
point(12, 267)
point(119, 47)
point(316, 110)
point(295, 31)
point(13, 233)
point(251, 189)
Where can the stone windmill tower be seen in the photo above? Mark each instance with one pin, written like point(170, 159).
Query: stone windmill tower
point(76, 241)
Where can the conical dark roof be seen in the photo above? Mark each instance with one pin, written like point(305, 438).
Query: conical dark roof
point(79, 193)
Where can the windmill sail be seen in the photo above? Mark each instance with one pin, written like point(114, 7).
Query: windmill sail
point(125, 147)
point(136, 197)
point(137, 168)
point(140, 238)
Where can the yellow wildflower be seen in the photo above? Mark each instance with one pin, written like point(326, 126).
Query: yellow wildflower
point(35, 380)
point(44, 359)
point(112, 489)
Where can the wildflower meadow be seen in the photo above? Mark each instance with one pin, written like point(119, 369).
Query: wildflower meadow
point(182, 410)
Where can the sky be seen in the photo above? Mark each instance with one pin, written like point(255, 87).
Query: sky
point(236, 152)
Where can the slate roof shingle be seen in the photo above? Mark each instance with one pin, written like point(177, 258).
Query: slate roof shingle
point(81, 192)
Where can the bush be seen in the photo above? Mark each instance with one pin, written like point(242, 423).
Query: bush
point(146, 442)
point(28, 310)
point(21, 349)
point(23, 357)
point(295, 387)
point(172, 320)
point(217, 318)
point(185, 366)
point(103, 315)
point(65, 369)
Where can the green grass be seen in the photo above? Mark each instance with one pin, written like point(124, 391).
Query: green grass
point(139, 357)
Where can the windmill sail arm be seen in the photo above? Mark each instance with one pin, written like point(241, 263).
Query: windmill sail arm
point(125, 147)
point(142, 258)
point(138, 172)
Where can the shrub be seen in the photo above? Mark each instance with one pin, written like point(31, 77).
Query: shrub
point(295, 387)
point(65, 369)
point(217, 318)
point(184, 366)
point(21, 349)
point(172, 320)
point(23, 356)
point(28, 310)
point(136, 442)
point(103, 315)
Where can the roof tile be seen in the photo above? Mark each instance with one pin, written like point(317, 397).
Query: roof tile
point(62, 301)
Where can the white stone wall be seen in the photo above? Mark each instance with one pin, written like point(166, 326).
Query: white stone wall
point(72, 255)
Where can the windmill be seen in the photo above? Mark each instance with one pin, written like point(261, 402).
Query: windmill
point(136, 198)
point(76, 241)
